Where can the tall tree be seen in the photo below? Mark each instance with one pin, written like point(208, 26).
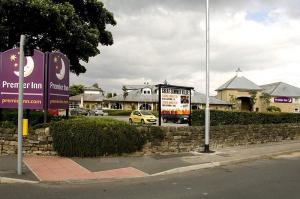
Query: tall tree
point(76, 89)
point(125, 92)
point(96, 85)
point(74, 27)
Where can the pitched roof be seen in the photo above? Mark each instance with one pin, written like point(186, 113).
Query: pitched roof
point(137, 87)
point(88, 97)
point(281, 89)
point(200, 98)
point(91, 88)
point(137, 96)
point(239, 83)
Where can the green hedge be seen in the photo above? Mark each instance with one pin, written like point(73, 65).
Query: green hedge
point(243, 118)
point(117, 112)
point(90, 137)
point(35, 117)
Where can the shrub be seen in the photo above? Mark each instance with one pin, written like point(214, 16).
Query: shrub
point(34, 118)
point(7, 124)
point(273, 109)
point(243, 118)
point(89, 137)
point(118, 112)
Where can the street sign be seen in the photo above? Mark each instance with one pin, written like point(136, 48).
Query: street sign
point(58, 81)
point(33, 80)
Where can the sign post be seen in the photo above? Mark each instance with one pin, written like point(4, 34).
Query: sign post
point(174, 101)
point(20, 104)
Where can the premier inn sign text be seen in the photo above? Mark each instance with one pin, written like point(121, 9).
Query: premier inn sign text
point(40, 77)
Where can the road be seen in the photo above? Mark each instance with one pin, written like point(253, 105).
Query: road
point(265, 179)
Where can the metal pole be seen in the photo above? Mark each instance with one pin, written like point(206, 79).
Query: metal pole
point(20, 103)
point(207, 112)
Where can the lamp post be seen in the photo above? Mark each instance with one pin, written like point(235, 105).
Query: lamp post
point(20, 104)
point(207, 111)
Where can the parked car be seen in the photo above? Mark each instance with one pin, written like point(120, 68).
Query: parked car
point(79, 111)
point(143, 117)
point(98, 112)
point(180, 119)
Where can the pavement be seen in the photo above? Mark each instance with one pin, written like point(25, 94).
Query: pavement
point(59, 169)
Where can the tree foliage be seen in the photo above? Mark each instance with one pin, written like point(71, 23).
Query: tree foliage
point(74, 27)
point(125, 92)
point(76, 90)
point(253, 99)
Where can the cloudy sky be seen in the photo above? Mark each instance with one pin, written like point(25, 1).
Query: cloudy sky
point(157, 40)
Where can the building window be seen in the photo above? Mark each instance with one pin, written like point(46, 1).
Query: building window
point(116, 105)
point(145, 107)
point(146, 91)
point(296, 110)
point(73, 105)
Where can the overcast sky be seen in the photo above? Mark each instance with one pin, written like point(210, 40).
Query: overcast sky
point(157, 40)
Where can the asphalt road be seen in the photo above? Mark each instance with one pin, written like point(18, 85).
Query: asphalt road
point(265, 179)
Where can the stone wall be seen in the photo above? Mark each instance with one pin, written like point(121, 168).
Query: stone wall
point(38, 142)
point(178, 139)
point(185, 139)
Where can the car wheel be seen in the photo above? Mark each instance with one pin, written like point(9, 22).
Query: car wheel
point(165, 120)
point(142, 121)
point(130, 121)
point(178, 121)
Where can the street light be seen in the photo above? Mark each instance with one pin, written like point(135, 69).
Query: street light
point(207, 111)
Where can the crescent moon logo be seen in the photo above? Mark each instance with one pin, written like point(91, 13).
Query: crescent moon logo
point(62, 72)
point(28, 69)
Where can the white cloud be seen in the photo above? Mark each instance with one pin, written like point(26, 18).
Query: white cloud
point(166, 40)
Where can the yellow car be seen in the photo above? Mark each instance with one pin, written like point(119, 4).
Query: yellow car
point(143, 117)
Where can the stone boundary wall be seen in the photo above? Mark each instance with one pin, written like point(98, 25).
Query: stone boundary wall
point(186, 139)
point(178, 139)
point(37, 142)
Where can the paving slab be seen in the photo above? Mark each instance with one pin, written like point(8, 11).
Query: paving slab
point(8, 169)
point(53, 168)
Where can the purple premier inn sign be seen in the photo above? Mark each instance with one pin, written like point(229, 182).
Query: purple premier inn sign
point(283, 99)
point(33, 80)
point(58, 81)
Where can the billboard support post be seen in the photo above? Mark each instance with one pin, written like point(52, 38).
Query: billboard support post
point(20, 104)
point(46, 87)
point(159, 105)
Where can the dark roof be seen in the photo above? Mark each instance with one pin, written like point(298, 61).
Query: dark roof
point(137, 96)
point(281, 89)
point(200, 98)
point(88, 97)
point(91, 88)
point(239, 83)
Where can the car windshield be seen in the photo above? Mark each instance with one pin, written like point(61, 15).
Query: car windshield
point(146, 113)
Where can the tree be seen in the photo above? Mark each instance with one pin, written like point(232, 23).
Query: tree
point(125, 92)
point(109, 95)
point(266, 98)
point(96, 85)
point(76, 89)
point(74, 27)
point(253, 99)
